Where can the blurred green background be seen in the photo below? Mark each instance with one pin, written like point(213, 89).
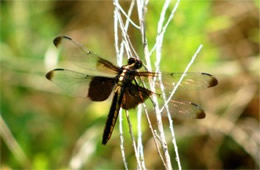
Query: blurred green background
point(52, 130)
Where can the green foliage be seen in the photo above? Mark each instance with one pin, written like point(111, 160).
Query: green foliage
point(184, 35)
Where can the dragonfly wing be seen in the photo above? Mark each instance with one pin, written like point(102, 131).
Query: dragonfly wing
point(134, 95)
point(82, 85)
point(191, 80)
point(185, 110)
point(80, 56)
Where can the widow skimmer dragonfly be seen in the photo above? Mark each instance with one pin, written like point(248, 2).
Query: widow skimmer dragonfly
point(101, 78)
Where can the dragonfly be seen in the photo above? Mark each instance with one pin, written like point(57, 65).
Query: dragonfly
point(101, 78)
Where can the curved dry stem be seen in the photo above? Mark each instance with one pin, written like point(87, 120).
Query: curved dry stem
point(133, 141)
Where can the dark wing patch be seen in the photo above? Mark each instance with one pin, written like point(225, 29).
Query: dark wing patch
point(100, 88)
point(77, 54)
point(79, 84)
point(134, 95)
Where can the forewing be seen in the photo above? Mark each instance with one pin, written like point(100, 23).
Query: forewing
point(76, 53)
point(185, 110)
point(191, 80)
point(82, 85)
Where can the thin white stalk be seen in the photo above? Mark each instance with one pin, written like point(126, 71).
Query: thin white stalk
point(139, 165)
point(163, 30)
point(178, 83)
point(126, 27)
point(168, 111)
point(127, 44)
point(152, 130)
point(159, 37)
point(158, 46)
point(171, 16)
point(126, 15)
point(124, 36)
point(154, 136)
point(119, 56)
point(141, 6)
point(162, 16)
point(122, 138)
point(140, 150)
point(161, 132)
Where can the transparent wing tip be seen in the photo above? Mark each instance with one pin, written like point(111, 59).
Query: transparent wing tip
point(57, 40)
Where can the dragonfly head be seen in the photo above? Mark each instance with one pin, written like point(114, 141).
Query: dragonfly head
point(136, 63)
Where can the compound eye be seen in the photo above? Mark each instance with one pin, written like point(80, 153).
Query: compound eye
point(139, 64)
point(131, 60)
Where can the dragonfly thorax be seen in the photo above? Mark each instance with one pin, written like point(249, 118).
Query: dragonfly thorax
point(127, 72)
point(125, 76)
